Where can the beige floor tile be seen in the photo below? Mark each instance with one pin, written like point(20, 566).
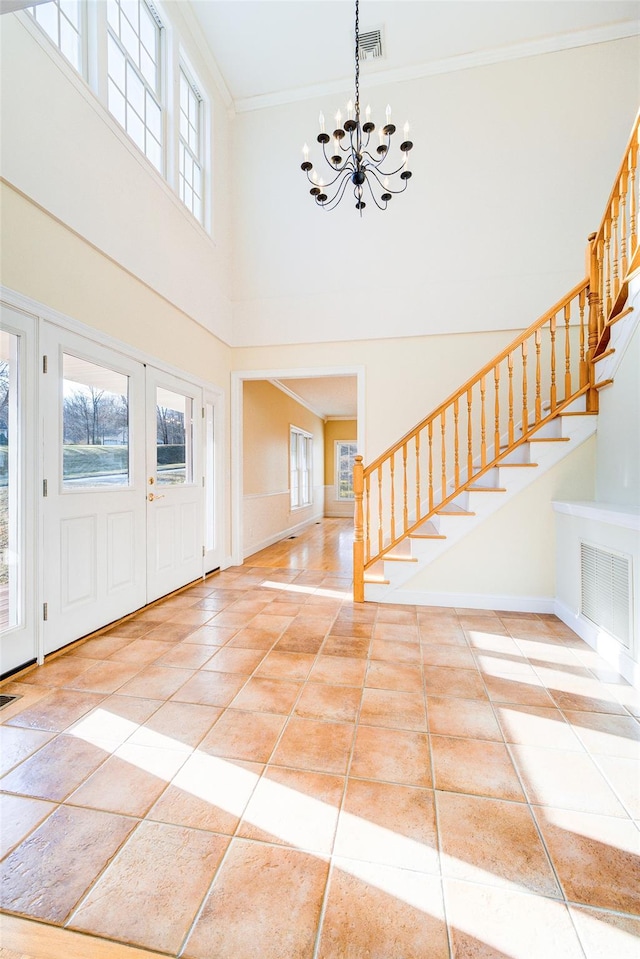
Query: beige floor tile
point(119, 786)
point(156, 682)
point(388, 614)
point(382, 675)
point(141, 652)
point(211, 636)
point(105, 677)
point(537, 726)
point(56, 711)
point(510, 689)
point(382, 912)
point(169, 632)
point(233, 660)
point(391, 755)
point(170, 867)
point(606, 735)
point(459, 683)
point(383, 707)
point(59, 672)
point(133, 628)
point(17, 744)
point(252, 637)
point(493, 842)
point(187, 656)
point(317, 746)
point(113, 721)
point(349, 627)
point(469, 718)
point(250, 736)
point(338, 670)
point(605, 935)
point(45, 876)
point(18, 817)
point(176, 725)
point(278, 665)
point(191, 617)
point(473, 766)
point(296, 808)
point(208, 793)
point(595, 857)
point(55, 770)
point(388, 824)
point(322, 701)
point(396, 632)
point(256, 893)
point(486, 922)
point(100, 648)
point(210, 688)
point(395, 652)
point(457, 657)
point(267, 696)
point(569, 780)
point(623, 775)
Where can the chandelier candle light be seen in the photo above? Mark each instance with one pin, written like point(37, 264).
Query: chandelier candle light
point(354, 161)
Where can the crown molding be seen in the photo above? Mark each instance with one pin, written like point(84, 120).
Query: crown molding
point(467, 61)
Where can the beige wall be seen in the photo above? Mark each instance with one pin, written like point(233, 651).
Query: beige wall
point(336, 430)
point(268, 414)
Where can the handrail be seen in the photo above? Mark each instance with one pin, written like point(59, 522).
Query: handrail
point(459, 393)
point(497, 410)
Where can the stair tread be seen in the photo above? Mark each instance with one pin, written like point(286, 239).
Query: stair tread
point(516, 464)
point(550, 439)
point(453, 510)
point(398, 558)
point(486, 489)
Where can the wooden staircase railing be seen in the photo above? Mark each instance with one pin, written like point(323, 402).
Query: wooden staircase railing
point(526, 385)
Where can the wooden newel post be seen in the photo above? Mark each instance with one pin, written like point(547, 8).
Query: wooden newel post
point(593, 269)
point(358, 537)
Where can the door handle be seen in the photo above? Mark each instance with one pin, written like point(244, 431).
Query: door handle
point(151, 497)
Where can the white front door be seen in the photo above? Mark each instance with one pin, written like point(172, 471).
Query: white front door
point(94, 486)
point(18, 478)
point(175, 483)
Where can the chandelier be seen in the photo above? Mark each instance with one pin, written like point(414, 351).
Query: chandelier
point(353, 159)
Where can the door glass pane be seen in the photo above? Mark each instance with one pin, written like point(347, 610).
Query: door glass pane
point(9, 481)
point(174, 463)
point(95, 432)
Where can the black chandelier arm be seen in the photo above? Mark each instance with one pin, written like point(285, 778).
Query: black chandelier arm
point(384, 187)
point(375, 198)
point(376, 168)
point(332, 202)
point(347, 168)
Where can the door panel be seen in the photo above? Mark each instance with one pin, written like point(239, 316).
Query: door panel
point(18, 479)
point(94, 511)
point(174, 483)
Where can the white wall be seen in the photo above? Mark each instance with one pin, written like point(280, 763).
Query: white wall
point(618, 463)
point(512, 167)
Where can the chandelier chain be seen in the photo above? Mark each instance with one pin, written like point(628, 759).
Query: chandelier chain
point(357, 61)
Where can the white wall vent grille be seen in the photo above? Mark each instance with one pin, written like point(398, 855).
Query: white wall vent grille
point(370, 45)
point(606, 590)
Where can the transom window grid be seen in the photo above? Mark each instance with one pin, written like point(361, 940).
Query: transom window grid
point(344, 457)
point(190, 146)
point(133, 74)
point(300, 457)
point(61, 20)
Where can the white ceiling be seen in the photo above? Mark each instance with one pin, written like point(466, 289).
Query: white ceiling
point(276, 51)
point(325, 395)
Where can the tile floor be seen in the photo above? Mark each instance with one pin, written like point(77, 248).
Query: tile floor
point(258, 769)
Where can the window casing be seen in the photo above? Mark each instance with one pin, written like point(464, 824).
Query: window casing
point(345, 454)
point(134, 74)
point(190, 177)
point(61, 20)
point(300, 459)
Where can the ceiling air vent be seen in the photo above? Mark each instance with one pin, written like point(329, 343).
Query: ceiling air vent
point(606, 590)
point(370, 45)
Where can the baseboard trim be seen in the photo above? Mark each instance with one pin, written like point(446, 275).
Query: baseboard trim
point(604, 644)
point(511, 604)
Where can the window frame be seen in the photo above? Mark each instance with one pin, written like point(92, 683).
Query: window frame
point(155, 93)
point(300, 474)
point(81, 67)
point(197, 159)
point(337, 455)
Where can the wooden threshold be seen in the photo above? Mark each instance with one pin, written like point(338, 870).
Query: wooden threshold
point(27, 939)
